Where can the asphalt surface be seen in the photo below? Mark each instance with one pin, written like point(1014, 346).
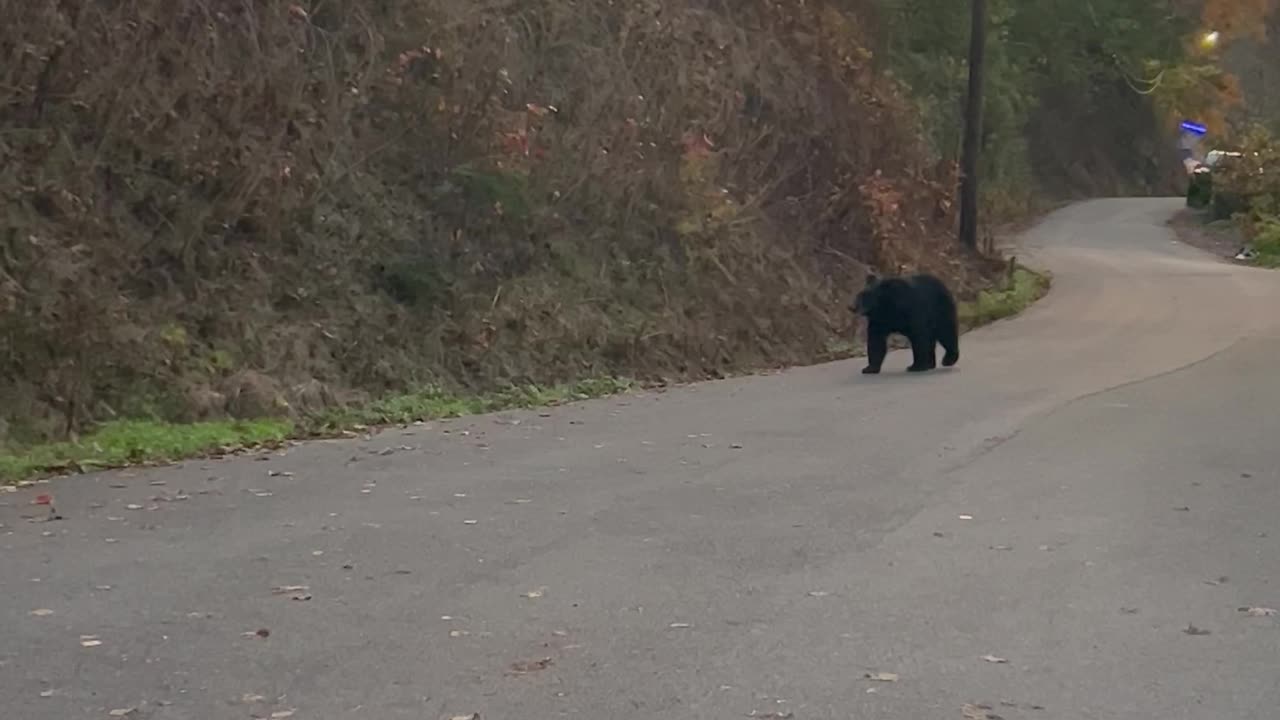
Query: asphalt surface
point(1091, 496)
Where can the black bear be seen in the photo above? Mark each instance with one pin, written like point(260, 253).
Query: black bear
point(919, 307)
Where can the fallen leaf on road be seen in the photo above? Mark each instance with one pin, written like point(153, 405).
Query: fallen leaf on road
point(772, 715)
point(1129, 611)
point(281, 714)
point(529, 666)
point(818, 593)
point(978, 712)
point(535, 594)
point(287, 589)
point(994, 659)
point(294, 592)
point(46, 693)
point(42, 612)
point(1001, 547)
point(123, 712)
point(1258, 611)
point(470, 522)
point(1219, 581)
point(966, 517)
point(133, 506)
point(279, 473)
point(1193, 630)
point(882, 676)
point(738, 446)
point(520, 501)
point(250, 698)
point(458, 633)
point(473, 716)
point(680, 626)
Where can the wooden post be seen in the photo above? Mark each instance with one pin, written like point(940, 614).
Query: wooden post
point(973, 125)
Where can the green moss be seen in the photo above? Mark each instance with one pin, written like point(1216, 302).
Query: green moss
point(1014, 296)
point(129, 442)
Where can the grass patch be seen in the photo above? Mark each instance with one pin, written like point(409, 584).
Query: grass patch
point(135, 442)
point(430, 403)
point(1266, 242)
point(132, 442)
point(1016, 294)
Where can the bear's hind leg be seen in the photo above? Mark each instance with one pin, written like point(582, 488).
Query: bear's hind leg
point(923, 353)
point(949, 338)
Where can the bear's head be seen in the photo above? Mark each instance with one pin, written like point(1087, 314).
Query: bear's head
point(864, 303)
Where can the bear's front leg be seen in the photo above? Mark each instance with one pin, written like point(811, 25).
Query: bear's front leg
point(877, 348)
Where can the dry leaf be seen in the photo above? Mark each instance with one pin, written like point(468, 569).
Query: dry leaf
point(133, 506)
point(470, 522)
point(966, 517)
point(978, 712)
point(472, 716)
point(680, 626)
point(46, 693)
point(458, 633)
point(818, 593)
point(1258, 612)
point(122, 712)
point(994, 659)
point(535, 594)
point(89, 641)
point(882, 676)
point(250, 698)
point(1193, 630)
point(529, 666)
point(281, 714)
point(42, 612)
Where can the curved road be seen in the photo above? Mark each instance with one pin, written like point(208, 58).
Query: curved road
point(1092, 496)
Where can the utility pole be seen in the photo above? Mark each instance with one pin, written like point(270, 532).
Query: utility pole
point(973, 125)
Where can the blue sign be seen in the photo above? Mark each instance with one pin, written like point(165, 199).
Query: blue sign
point(1194, 128)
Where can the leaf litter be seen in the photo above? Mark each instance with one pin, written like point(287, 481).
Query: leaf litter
point(881, 677)
point(994, 659)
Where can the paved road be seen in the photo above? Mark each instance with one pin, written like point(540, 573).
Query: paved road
point(1094, 477)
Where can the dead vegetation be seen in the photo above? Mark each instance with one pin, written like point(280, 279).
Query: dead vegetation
point(253, 208)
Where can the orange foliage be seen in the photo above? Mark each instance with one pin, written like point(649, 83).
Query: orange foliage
point(1238, 18)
